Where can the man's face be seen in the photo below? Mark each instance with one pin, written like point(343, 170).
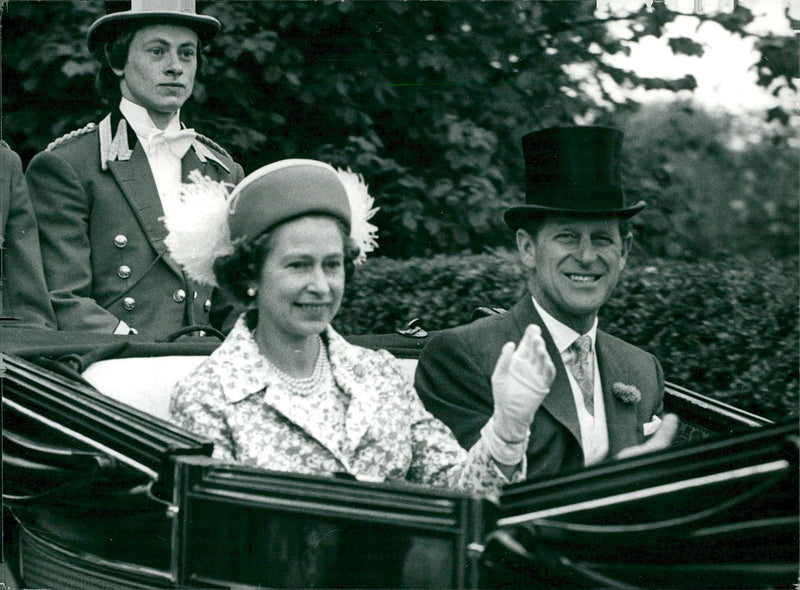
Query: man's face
point(159, 74)
point(575, 263)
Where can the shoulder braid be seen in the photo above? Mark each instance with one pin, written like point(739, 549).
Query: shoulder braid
point(214, 145)
point(71, 135)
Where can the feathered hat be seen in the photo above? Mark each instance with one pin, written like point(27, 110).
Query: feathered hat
point(152, 12)
point(211, 221)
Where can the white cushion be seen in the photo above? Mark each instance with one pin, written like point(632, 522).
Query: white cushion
point(143, 382)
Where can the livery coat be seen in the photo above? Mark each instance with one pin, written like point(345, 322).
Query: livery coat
point(102, 237)
point(453, 379)
point(23, 293)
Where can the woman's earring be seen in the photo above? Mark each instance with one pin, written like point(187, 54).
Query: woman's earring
point(251, 291)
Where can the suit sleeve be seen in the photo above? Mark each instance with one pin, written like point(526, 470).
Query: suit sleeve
point(449, 382)
point(25, 293)
point(62, 208)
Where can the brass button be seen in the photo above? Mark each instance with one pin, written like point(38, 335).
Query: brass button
point(120, 241)
point(207, 306)
point(194, 295)
point(124, 272)
point(128, 303)
point(179, 296)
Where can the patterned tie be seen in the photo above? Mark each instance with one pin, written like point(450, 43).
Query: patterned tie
point(582, 369)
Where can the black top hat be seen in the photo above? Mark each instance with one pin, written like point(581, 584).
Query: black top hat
point(152, 12)
point(572, 171)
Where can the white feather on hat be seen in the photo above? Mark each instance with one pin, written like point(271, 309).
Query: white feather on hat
point(198, 231)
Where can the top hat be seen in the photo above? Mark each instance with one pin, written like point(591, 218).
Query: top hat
point(572, 171)
point(283, 191)
point(152, 12)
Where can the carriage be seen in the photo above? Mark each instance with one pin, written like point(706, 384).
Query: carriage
point(101, 491)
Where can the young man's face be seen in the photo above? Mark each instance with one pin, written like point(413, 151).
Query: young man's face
point(575, 264)
point(160, 71)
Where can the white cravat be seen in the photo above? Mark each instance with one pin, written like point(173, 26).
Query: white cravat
point(594, 430)
point(164, 149)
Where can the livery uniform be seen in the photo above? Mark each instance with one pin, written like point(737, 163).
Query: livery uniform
point(102, 231)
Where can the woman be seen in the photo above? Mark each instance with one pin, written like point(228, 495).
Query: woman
point(286, 392)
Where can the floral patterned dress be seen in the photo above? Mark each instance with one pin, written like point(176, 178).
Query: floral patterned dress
point(369, 422)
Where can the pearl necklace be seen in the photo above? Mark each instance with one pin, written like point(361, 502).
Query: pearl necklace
point(307, 385)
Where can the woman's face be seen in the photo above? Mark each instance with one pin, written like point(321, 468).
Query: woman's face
point(302, 278)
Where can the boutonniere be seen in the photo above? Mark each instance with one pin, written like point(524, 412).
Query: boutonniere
point(629, 394)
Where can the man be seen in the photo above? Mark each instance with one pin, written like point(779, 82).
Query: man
point(573, 240)
point(101, 193)
point(23, 293)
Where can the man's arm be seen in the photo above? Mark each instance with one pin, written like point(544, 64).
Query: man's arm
point(450, 383)
point(62, 210)
point(26, 296)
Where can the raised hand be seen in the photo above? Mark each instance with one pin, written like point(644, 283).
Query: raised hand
point(520, 381)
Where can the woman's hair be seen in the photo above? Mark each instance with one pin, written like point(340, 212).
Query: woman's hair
point(114, 55)
point(237, 271)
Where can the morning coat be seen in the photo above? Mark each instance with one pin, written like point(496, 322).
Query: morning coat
point(453, 379)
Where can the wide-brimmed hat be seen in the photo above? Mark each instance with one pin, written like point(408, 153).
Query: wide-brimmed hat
point(212, 222)
point(572, 171)
point(151, 12)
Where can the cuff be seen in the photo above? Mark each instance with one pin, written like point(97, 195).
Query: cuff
point(501, 451)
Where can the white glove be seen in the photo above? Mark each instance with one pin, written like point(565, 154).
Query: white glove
point(520, 382)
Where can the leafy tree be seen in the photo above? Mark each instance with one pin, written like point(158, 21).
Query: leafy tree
point(428, 100)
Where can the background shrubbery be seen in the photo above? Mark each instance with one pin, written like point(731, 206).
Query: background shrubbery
point(725, 329)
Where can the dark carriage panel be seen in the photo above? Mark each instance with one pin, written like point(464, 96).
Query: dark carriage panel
point(254, 529)
point(719, 514)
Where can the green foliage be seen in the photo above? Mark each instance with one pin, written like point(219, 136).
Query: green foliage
point(428, 100)
point(709, 192)
point(725, 329)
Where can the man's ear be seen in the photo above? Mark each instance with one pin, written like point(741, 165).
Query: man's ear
point(527, 249)
point(627, 242)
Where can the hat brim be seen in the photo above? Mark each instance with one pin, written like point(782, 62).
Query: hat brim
point(108, 27)
point(517, 217)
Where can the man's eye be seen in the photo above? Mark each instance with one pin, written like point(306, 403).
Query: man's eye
point(157, 51)
point(187, 54)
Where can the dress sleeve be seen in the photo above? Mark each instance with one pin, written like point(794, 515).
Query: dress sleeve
point(196, 404)
point(438, 459)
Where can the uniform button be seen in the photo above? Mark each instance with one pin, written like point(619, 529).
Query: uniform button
point(179, 296)
point(124, 271)
point(128, 303)
point(207, 306)
point(194, 295)
point(120, 241)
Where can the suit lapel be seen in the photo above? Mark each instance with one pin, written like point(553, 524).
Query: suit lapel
point(559, 402)
point(620, 416)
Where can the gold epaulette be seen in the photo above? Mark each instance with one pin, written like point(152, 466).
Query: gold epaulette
point(71, 135)
point(213, 144)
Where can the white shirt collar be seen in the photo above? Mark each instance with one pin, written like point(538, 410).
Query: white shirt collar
point(139, 119)
point(563, 336)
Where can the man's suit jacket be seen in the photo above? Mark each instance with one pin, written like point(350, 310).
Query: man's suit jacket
point(23, 295)
point(453, 379)
point(101, 234)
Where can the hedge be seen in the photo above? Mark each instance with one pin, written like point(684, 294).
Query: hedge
point(725, 329)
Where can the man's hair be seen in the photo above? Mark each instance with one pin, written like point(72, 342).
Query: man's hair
point(236, 272)
point(114, 55)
